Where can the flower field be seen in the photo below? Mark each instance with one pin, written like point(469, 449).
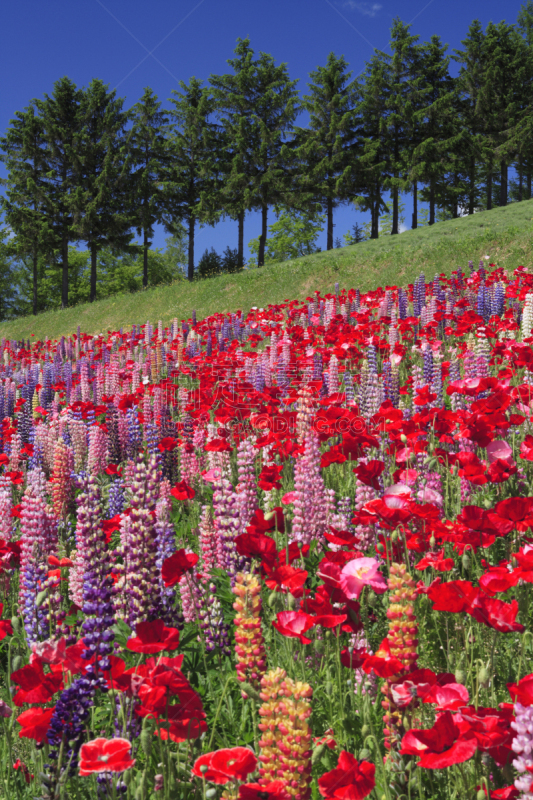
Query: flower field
point(275, 555)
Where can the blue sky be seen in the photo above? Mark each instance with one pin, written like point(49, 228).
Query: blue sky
point(131, 44)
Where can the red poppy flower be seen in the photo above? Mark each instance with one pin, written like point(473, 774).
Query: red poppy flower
point(175, 566)
point(522, 691)
point(154, 637)
point(6, 629)
point(186, 721)
point(495, 613)
point(110, 526)
point(105, 755)
point(275, 790)
point(167, 444)
point(288, 577)
point(383, 664)
point(270, 477)
point(453, 596)
point(257, 545)
point(15, 476)
point(218, 446)
point(228, 764)
point(526, 448)
point(350, 780)
point(442, 745)
point(294, 624)
point(35, 686)
point(35, 723)
point(369, 473)
point(182, 491)
point(436, 561)
point(501, 470)
point(4, 459)
point(113, 469)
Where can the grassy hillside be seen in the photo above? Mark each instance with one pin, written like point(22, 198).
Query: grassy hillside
point(504, 234)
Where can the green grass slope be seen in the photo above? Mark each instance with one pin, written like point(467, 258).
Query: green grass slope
point(504, 234)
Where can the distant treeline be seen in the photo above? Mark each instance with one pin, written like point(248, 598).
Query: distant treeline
point(82, 169)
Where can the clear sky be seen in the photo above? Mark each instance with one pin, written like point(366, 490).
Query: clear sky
point(131, 44)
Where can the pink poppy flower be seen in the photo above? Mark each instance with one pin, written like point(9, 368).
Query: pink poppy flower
point(359, 573)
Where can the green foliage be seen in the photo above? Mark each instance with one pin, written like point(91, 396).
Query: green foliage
point(355, 235)
point(209, 264)
point(294, 234)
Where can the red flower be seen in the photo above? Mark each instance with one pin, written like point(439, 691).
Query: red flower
point(369, 473)
point(268, 791)
point(495, 613)
point(167, 444)
point(218, 446)
point(257, 545)
point(35, 723)
point(109, 526)
point(270, 478)
point(176, 566)
point(437, 561)
point(229, 764)
point(294, 624)
point(382, 663)
point(522, 691)
point(350, 780)
point(501, 470)
point(105, 755)
point(526, 448)
point(453, 596)
point(154, 637)
point(35, 686)
point(442, 745)
point(182, 491)
point(113, 469)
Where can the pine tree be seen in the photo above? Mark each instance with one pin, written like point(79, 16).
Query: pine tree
point(232, 93)
point(262, 104)
point(469, 150)
point(525, 21)
point(102, 215)
point(61, 126)
point(147, 161)
point(372, 166)
point(24, 203)
point(193, 148)
point(400, 111)
point(326, 146)
point(505, 78)
point(437, 123)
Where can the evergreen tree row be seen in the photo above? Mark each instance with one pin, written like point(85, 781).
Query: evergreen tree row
point(82, 169)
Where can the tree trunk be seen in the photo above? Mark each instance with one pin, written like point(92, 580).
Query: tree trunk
point(394, 211)
point(504, 171)
point(529, 184)
point(190, 270)
point(64, 276)
point(263, 237)
point(34, 303)
point(374, 233)
point(240, 246)
point(431, 203)
point(472, 192)
point(330, 224)
point(145, 258)
point(489, 189)
point(92, 296)
point(415, 206)
point(520, 180)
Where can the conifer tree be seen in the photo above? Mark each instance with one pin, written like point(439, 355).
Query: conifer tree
point(372, 166)
point(326, 147)
point(260, 102)
point(102, 217)
point(61, 129)
point(399, 111)
point(147, 161)
point(193, 152)
point(437, 122)
point(24, 203)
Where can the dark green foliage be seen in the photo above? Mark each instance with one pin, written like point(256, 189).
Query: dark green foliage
point(192, 146)
point(209, 264)
point(230, 260)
